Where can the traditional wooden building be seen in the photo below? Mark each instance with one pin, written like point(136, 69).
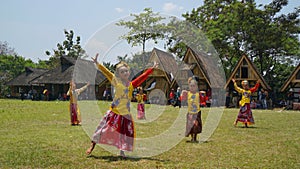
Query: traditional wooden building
point(244, 70)
point(21, 84)
point(205, 67)
point(162, 77)
point(192, 65)
point(57, 80)
point(292, 87)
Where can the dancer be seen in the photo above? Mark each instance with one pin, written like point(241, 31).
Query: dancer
point(245, 114)
point(193, 117)
point(116, 128)
point(140, 97)
point(74, 109)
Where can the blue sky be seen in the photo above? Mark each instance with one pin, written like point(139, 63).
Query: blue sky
point(33, 26)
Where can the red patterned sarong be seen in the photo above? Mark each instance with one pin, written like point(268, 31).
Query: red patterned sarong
point(245, 114)
point(116, 130)
point(141, 111)
point(74, 113)
point(193, 124)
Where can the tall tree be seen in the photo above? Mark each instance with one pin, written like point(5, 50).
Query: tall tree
point(5, 49)
point(238, 27)
point(69, 47)
point(142, 28)
point(10, 67)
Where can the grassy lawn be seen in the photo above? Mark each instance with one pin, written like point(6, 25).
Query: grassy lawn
point(38, 134)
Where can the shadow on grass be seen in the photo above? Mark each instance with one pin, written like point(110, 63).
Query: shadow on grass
point(127, 158)
point(251, 127)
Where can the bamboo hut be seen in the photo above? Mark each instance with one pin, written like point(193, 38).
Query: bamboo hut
point(203, 66)
point(162, 77)
point(81, 71)
point(21, 84)
point(244, 70)
point(292, 87)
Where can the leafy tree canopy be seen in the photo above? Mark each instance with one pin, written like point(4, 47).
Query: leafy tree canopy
point(69, 47)
point(242, 27)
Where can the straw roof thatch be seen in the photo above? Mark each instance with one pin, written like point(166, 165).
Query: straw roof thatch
point(293, 79)
point(166, 61)
point(80, 70)
point(24, 78)
point(251, 66)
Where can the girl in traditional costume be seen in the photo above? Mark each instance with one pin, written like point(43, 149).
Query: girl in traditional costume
point(193, 117)
point(74, 109)
point(245, 114)
point(117, 128)
point(140, 97)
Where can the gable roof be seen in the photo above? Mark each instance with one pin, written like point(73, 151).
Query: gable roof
point(291, 79)
point(207, 66)
point(24, 78)
point(166, 62)
point(69, 68)
point(264, 84)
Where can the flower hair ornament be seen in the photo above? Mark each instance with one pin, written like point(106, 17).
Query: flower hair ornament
point(245, 83)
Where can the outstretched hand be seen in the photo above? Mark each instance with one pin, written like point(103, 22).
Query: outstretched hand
point(155, 65)
point(95, 59)
point(233, 80)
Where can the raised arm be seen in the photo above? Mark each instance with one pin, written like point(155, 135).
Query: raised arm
point(238, 89)
point(140, 79)
point(253, 89)
point(108, 74)
point(82, 88)
point(70, 88)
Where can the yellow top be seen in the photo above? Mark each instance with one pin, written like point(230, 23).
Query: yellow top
point(74, 93)
point(140, 98)
point(123, 93)
point(193, 103)
point(245, 94)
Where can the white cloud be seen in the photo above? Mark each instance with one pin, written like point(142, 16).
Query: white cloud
point(171, 7)
point(119, 10)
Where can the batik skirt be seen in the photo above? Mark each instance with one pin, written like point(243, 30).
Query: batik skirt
point(245, 114)
point(75, 114)
point(141, 111)
point(193, 124)
point(116, 130)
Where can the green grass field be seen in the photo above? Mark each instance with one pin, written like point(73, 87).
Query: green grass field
point(38, 134)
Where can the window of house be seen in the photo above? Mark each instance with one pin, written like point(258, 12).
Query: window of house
point(298, 75)
point(244, 72)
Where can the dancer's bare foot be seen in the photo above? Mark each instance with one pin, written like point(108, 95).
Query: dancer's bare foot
point(89, 150)
point(122, 154)
point(235, 123)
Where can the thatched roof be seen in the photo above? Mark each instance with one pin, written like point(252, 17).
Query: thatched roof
point(264, 84)
point(209, 67)
point(166, 61)
point(80, 70)
point(292, 79)
point(25, 78)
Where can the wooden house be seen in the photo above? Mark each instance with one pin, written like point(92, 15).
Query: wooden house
point(292, 86)
point(21, 84)
point(162, 77)
point(192, 65)
point(244, 70)
point(205, 67)
point(57, 80)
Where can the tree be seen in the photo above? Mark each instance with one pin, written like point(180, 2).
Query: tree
point(5, 49)
point(241, 27)
point(11, 67)
point(143, 27)
point(67, 48)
